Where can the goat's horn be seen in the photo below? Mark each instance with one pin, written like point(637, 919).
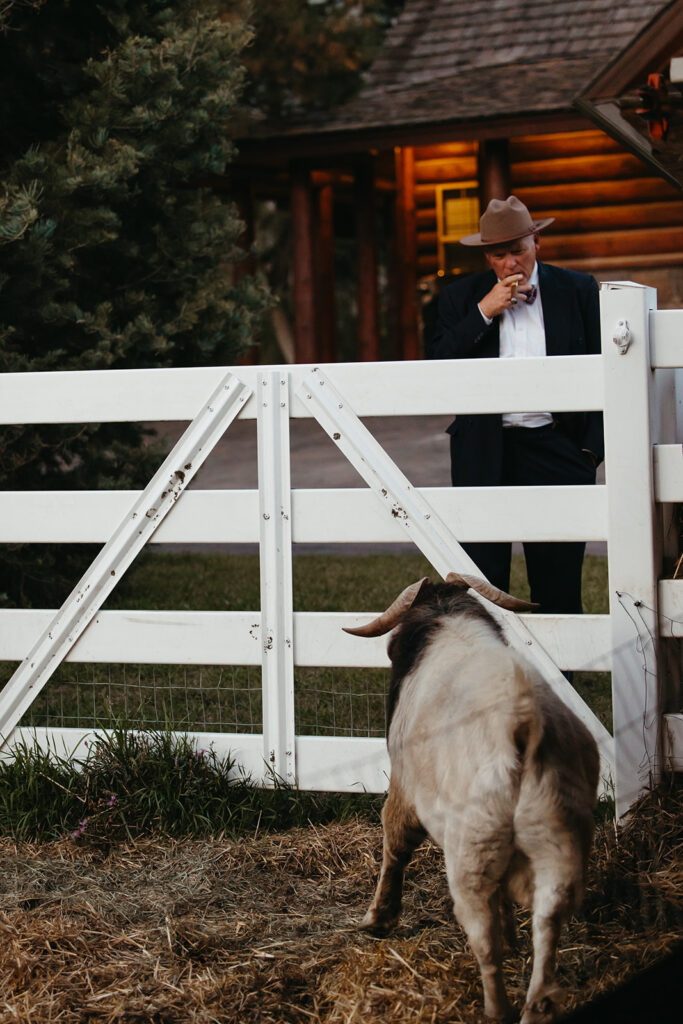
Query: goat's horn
point(490, 592)
point(385, 622)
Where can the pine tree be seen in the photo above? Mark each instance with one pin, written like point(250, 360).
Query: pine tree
point(114, 250)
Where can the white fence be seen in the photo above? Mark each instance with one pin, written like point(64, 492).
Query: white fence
point(632, 512)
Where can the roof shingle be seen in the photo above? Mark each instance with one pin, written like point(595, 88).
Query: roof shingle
point(449, 61)
point(439, 37)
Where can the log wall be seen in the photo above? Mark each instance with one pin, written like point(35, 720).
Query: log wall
point(611, 211)
point(452, 162)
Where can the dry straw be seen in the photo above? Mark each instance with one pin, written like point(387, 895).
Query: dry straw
point(265, 929)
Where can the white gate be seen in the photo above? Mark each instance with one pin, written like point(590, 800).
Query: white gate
point(632, 512)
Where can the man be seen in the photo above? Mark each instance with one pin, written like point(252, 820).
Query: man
point(521, 307)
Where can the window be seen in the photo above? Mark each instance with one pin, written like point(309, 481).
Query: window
point(457, 215)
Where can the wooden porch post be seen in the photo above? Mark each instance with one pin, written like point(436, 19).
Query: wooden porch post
point(304, 275)
point(324, 259)
point(393, 289)
point(366, 290)
point(494, 170)
point(245, 207)
point(406, 262)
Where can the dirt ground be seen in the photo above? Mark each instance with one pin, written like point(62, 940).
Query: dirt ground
point(266, 929)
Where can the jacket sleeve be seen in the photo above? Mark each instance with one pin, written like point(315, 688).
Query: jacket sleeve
point(459, 327)
point(590, 308)
point(593, 439)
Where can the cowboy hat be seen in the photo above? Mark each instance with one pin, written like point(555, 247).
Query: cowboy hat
point(504, 220)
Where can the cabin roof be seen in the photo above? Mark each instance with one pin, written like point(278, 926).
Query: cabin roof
point(435, 39)
point(455, 61)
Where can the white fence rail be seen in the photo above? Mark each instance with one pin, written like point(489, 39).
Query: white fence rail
point(632, 512)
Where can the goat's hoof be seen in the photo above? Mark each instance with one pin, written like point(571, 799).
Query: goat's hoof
point(377, 925)
point(541, 1011)
point(500, 1012)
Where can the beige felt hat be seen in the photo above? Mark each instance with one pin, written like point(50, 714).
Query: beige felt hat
point(503, 220)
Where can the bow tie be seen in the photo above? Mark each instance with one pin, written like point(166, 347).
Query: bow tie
point(531, 297)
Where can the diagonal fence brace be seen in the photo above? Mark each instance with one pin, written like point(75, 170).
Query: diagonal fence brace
point(433, 537)
point(150, 509)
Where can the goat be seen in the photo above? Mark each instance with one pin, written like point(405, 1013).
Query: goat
point(490, 763)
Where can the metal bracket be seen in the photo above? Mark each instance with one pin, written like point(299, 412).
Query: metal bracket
point(151, 508)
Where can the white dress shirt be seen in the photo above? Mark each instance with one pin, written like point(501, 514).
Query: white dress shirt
point(522, 336)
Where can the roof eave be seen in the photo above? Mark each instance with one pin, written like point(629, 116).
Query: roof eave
point(646, 52)
point(315, 144)
point(653, 47)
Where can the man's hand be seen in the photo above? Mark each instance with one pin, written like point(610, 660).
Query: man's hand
point(503, 295)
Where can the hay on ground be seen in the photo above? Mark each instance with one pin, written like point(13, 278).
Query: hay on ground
point(265, 929)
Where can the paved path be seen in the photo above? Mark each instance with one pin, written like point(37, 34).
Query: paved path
point(417, 444)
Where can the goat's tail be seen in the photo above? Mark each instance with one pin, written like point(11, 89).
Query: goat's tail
point(526, 719)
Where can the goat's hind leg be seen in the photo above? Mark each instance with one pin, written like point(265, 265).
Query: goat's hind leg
point(558, 887)
point(403, 833)
point(475, 864)
point(551, 908)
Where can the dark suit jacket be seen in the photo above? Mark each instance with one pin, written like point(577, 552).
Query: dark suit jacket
point(571, 314)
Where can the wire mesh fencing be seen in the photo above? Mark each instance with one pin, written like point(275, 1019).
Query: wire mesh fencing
point(222, 699)
point(177, 697)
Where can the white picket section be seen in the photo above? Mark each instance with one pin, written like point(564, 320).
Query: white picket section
point(668, 469)
point(670, 594)
point(433, 536)
point(665, 338)
point(390, 389)
point(222, 638)
point(140, 521)
point(644, 476)
point(666, 360)
point(349, 515)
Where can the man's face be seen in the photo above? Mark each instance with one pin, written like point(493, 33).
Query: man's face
point(517, 257)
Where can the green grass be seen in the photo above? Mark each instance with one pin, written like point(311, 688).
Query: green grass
point(343, 701)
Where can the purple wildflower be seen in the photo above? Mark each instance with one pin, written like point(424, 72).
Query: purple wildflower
point(82, 825)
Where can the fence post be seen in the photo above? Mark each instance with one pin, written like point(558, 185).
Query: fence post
point(277, 615)
point(666, 429)
point(633, 568)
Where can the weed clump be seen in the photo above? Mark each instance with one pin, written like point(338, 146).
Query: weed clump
point(132, 783)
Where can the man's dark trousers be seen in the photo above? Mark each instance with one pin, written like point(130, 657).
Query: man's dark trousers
point(540, 456)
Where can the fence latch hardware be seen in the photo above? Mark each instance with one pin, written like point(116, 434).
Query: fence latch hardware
point(622, 336)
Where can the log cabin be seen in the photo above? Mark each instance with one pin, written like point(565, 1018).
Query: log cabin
point(465, 102)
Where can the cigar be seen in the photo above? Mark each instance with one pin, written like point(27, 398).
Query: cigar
point(513, 293)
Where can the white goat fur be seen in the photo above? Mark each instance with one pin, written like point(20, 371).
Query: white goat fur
point(488, 761)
